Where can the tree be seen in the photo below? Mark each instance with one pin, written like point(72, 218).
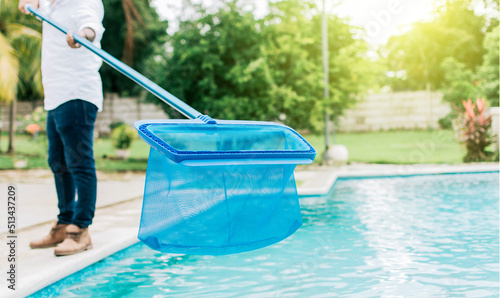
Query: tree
point(20, 56)
point(133, 31)
point(489, 70)
point(231, 66)
point(295, 57)
point(462, 83)
point(217, 66)
point(455, 32)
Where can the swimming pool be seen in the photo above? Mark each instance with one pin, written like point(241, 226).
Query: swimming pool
point(433, 235)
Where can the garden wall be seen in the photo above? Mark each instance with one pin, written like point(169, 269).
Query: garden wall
point(395, 110)
point(126, 109)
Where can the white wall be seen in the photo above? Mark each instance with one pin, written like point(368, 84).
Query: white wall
point(396, 110)
point(125, 109)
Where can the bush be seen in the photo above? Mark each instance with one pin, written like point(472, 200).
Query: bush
point(446, 122)
point(474, 132)
point(122, 136)
point(115, 124)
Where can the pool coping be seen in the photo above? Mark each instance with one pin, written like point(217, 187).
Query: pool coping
point(114, 237)
point(319, 182)
point(39, 268)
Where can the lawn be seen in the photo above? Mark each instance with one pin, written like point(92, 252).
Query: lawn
point(35, 152)
point(398, 147)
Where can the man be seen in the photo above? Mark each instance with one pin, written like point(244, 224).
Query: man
point(73, 95)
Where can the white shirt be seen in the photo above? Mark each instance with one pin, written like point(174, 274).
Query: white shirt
point(69, 73)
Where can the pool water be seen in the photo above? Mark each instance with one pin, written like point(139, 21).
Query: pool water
point(434, 235)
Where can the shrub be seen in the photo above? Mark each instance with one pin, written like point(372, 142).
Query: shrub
point(474, 132)
point(122, 136)
point(446, 121)
point(115, 124)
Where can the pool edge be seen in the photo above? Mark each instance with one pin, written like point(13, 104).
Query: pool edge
point(320, 183)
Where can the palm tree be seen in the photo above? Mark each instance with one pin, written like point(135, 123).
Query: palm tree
point(132, 16)
point(20, 57)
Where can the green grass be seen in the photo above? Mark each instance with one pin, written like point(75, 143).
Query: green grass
point(103, 148)
point(397, 147)
point(35, 152)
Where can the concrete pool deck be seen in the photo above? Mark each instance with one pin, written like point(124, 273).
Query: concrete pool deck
point(117, 216)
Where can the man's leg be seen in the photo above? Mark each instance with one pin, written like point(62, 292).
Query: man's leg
point(65, 187)
point(80, 160)
point(77, 133)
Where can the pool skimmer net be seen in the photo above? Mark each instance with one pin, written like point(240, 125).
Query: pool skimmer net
point(213, 186)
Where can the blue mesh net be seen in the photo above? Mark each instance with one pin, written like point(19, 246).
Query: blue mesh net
point(220, 189)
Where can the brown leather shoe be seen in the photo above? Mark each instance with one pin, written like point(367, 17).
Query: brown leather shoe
point(56, 235)
point(77, 240)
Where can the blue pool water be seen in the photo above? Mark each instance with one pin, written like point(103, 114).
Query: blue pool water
point(424, 236)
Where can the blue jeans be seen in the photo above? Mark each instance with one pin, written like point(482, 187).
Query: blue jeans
point(70, 132)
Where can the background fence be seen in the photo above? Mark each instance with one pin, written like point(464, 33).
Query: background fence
point(395, 110)
point(387, 111)
point(115, 109)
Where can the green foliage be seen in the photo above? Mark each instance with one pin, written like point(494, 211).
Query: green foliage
point(455, 32)
point(294, 54)
point(20, 58)
point(133, 32)
point(489, 70)
point(464, 83)
point(217, 66)
point(446, 122)
point(231, 66)
point(122, 136)
point(461, 83)
point(20, 53)
point(115, 124)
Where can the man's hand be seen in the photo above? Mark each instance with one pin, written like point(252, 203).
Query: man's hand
point(22, 3)
point(86, 33)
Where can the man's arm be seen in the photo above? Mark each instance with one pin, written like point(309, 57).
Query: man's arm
point(86, 33)
point(22, 3)
point(89, 16)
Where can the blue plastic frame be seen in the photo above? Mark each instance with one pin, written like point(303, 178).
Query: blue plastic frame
point(209, 158)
